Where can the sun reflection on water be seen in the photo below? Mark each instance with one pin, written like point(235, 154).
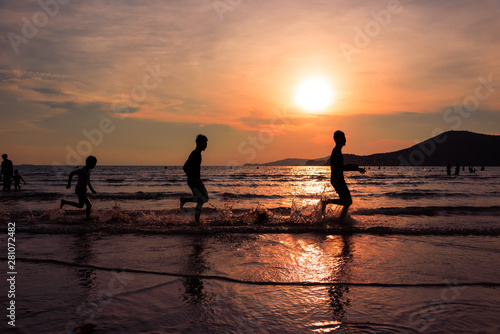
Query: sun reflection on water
point(326, 326)
point(307, 258)
point(312, 258)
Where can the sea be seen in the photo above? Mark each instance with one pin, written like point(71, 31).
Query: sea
point(418, 253)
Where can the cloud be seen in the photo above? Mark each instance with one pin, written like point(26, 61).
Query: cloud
point(322, 139)
point(17, 74)
point(48, 91)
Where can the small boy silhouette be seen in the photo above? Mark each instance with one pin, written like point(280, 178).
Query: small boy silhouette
point(81, 186)
point(337, 175)
point(7, 172)
point(192, 169)
point(17, 180)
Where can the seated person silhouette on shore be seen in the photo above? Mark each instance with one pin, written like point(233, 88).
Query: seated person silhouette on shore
point(17, 180)
point(81, 186)
point(337, 175)
point(192, 169)
point(7, 172)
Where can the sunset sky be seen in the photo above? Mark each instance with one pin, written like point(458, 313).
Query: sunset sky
point(134, 82)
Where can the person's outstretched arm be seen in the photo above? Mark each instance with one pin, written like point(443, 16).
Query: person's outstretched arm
point(70, 177)
point(90, 187)
point(354, 168)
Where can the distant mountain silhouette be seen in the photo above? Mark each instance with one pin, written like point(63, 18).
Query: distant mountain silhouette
point(284, 162)
point(463, 147)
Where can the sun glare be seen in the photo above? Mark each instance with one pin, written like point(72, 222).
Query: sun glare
point(314, 94)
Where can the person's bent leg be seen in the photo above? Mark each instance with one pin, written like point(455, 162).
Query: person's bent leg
point(89, 207)
point(201, 197)
point(82, 198)
point(76, 205)
point(344, 199)
point(197, 212)
point(346, 203)
point(185, 200)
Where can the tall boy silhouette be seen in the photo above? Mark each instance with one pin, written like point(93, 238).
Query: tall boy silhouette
point(7, 172)
point(337, 175)
point(192, 169)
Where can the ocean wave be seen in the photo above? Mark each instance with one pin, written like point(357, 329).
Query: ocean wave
point(417, 194)
point(140, 195)
point(136, 196)
point(228, 195)
point(430, 211)
point(51, 196)
point(114, 180)
point(169, 181)
point(255, 282)
point(225, 220)
point(30, 196)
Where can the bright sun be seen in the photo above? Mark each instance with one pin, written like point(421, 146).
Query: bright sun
point(314, 94)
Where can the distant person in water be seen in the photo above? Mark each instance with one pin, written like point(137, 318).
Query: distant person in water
point(448, 169)
point(192, 169)
point(7, 172)
point(81, 186)
point(457, 169)
point(17, 180)
point(337, 175)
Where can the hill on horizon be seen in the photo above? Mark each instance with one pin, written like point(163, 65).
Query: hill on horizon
point(463, 147)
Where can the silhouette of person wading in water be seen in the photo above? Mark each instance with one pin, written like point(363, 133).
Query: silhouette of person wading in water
point(337, 175)
point(7, 172)
point(17, 180)
point(192, 169)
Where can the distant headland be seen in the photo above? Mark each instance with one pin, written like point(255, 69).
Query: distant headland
point(463, 147)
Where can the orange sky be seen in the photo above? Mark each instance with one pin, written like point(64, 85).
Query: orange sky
point(134, 82)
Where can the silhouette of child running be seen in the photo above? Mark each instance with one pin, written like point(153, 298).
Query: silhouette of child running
point(17, 180)
point(337, 175)
point(81, 186)
point(192, 169)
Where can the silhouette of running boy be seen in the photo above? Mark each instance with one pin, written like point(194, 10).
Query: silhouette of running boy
point(81, 186)
point(337, 175)
point(192, 169)
point(17, 180)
